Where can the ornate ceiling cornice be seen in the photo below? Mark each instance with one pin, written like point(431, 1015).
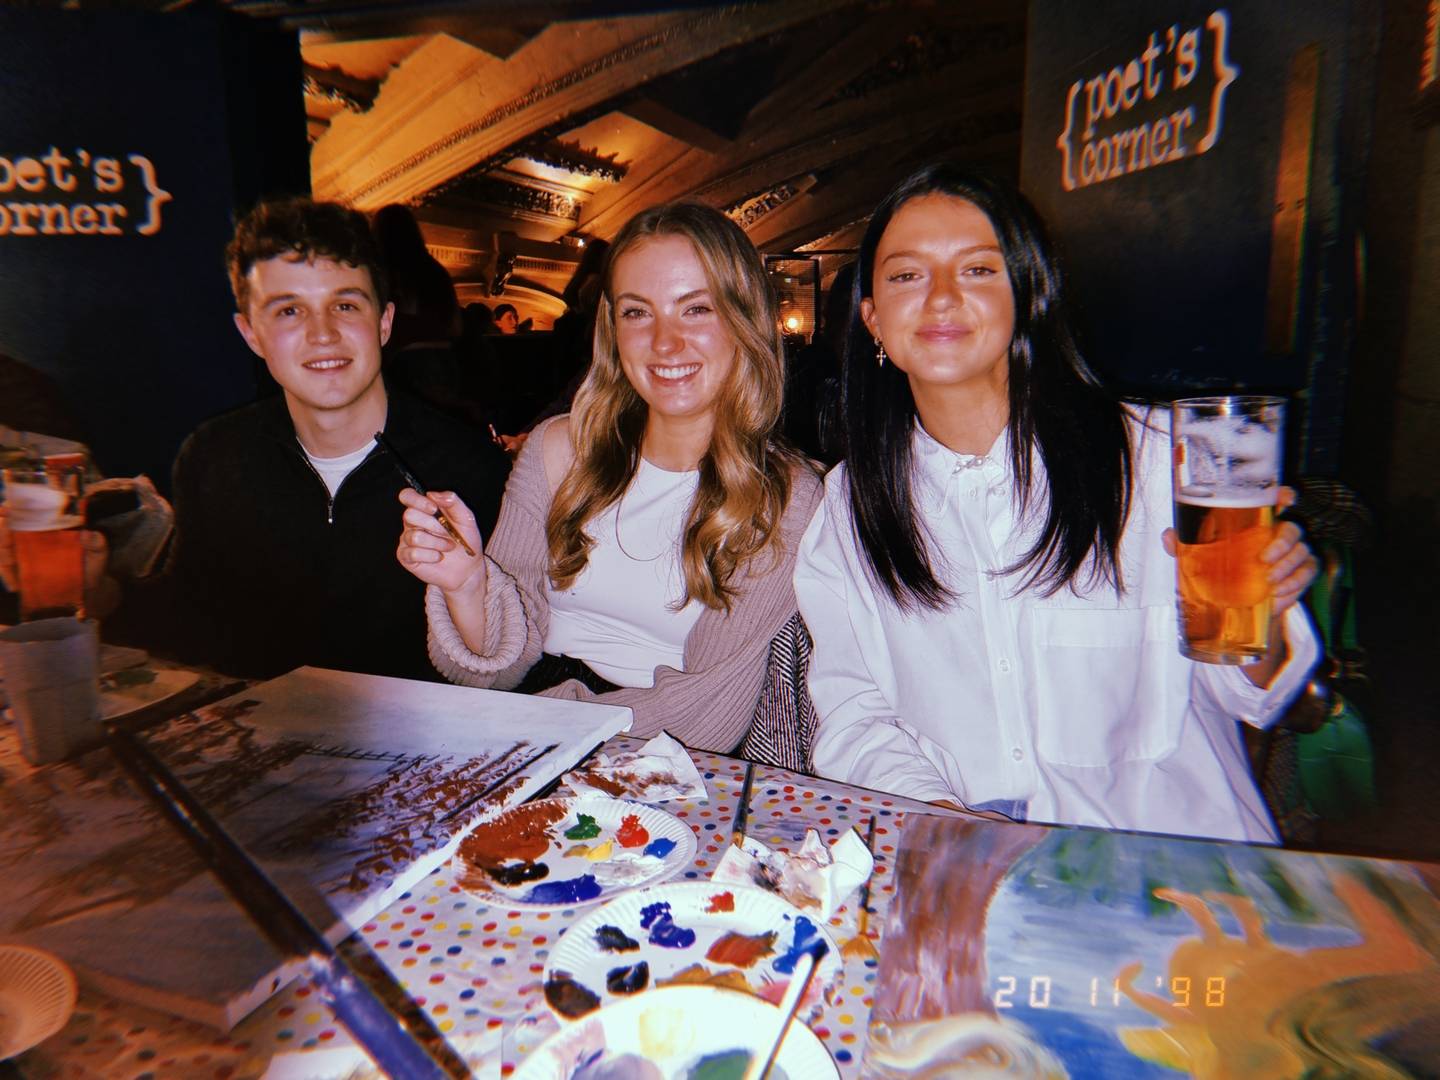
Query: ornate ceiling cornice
point(333, 86)
point(525, 198)
point(574, 158)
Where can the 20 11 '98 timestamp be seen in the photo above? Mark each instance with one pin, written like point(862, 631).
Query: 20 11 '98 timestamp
point(1041, 992)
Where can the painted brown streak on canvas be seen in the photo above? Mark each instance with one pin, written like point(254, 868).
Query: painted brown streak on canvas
point(404, 811)
point(934, 941)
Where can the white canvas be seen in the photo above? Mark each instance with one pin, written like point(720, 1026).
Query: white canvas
point(346, 789)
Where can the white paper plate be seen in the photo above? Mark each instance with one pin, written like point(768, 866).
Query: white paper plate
point(123, 692)
point(600, 956)
point(674, 1028)
point(37, 996)
point(563, 876)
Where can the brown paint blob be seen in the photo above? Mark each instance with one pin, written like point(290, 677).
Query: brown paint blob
point(522, 835)
point(741, 950)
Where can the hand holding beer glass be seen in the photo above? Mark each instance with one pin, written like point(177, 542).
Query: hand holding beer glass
point(1226, 483)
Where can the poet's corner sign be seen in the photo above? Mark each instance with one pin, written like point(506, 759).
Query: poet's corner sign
point(1157, 108)
point(80, 194)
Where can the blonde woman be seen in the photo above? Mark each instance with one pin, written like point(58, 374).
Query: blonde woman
point(644, 550)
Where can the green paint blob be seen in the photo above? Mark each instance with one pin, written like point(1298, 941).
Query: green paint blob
point(730, 1065)
point(584, 829)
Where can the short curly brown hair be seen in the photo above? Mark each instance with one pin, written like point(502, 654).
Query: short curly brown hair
point(306, 229)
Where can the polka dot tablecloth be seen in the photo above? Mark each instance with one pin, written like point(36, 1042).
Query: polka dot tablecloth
point(476, 969)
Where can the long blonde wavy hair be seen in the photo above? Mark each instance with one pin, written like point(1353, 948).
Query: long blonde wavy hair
point(745, 474)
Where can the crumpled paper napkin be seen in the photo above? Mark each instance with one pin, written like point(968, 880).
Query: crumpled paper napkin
point(660, 771)
point(816, 878)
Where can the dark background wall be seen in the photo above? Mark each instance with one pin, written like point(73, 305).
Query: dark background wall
point(136, 329)
point(1172, 265)
point(1172, 262)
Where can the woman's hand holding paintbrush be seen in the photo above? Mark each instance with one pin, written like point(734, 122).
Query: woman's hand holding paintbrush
point(429, 552)
point(440, 544)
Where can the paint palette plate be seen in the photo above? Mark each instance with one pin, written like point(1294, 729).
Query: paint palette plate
point(37, 996)
point(127, 691)
point(677, 1033)
point(728, 936)
point(556, 854)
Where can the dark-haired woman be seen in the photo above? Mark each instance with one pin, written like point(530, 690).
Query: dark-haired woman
point(989, 581)
point(646, 544)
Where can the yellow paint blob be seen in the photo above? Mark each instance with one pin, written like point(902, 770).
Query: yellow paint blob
point(665, 1033)
point(600, 852)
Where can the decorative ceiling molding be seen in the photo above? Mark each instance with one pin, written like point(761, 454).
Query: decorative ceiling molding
point(751, 210)
point(574, 158)
point(508, 195)
point(543, 266)
point(334, 87)
point(455, 256)
point(368, 165)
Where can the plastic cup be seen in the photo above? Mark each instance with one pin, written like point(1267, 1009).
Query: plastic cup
point(51, 670)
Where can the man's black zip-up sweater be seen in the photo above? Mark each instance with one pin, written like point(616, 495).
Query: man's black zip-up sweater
point(267, 572)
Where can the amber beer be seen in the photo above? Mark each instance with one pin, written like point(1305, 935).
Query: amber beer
point(1227, 465)
point(51, 568)
point(1224, 594)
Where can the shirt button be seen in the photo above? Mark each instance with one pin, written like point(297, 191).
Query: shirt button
point(1018, 754)
point(1004, 666)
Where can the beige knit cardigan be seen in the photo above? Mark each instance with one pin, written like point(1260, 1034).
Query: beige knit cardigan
point(708, 705)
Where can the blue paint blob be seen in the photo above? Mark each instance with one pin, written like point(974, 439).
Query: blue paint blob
point(668, 935)
point(807, 936)
point(659, 848)
point(569, 891)
point(652, 912)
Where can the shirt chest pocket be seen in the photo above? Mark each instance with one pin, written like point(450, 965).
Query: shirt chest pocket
point(1110, 688)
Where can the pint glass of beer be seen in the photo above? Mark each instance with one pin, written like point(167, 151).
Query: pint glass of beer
point(1226, 479)
point(48, 543)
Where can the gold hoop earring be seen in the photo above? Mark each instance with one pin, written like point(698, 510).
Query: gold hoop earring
point(879, 352)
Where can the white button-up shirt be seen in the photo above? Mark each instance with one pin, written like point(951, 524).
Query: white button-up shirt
point(1077, 704)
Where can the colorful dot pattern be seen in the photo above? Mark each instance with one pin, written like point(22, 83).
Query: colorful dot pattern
point(476, 970)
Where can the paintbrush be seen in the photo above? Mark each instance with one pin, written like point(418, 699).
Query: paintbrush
point(799, 980)
point(860, 945)
point(742, 812)
point(414, 482)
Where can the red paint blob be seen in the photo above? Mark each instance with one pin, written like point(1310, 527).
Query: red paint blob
point(721, 902)
point(631, 833)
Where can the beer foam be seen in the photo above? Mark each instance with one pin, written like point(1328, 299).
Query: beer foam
point(34, 507)
point(1241, 499)
point(1226, 461)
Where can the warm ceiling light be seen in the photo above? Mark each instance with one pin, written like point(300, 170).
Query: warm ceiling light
point(792, 323)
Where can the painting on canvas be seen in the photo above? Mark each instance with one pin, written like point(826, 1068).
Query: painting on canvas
point(1054, 952)
point(346, 789)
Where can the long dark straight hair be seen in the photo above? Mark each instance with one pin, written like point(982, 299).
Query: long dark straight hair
point(1057, 409)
